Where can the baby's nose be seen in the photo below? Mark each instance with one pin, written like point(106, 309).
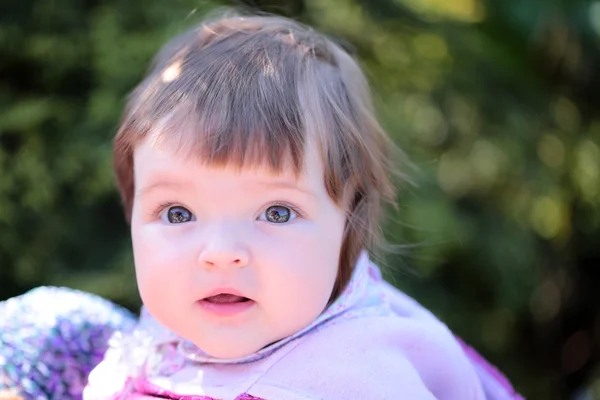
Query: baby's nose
point(222, 259)
point(223, 250)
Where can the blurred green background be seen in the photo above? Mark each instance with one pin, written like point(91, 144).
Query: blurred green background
point(495, 100)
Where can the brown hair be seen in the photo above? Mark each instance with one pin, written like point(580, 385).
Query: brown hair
point(246, 90)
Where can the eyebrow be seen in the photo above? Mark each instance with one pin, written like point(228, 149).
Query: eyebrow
point(285, 185)
point(267, 184)
point(157, 185)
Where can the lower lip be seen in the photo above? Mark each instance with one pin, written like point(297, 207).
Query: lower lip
point(226, 309)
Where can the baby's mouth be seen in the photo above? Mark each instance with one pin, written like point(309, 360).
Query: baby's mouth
point(226, 305)
point(226, 298)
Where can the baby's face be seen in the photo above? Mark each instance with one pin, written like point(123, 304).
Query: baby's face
point(232, 261)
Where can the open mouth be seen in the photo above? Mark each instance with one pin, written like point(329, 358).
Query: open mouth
point(226, 298)
point(226, 304)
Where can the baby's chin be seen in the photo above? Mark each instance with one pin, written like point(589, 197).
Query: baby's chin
point(228, 341)
point(230, 349)
point(226, 346)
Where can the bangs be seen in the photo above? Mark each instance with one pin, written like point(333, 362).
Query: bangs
point(234, 107)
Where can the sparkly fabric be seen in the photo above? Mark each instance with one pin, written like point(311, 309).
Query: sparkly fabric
point(51, 338)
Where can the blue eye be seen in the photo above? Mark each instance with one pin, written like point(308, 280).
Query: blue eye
point(278, 214)
point(177, 215)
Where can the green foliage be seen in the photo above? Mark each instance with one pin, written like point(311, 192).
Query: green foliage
point(67, 67)
point(495, 101)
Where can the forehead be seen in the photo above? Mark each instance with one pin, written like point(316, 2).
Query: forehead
point(159, 159)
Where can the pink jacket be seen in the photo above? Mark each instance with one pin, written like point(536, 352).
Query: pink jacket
point(374, 342)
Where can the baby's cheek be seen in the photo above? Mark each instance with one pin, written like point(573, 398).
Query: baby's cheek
point(312, 277)
point(151, 259)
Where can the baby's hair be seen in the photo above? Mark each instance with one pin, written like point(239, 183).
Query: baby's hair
point(246, 90)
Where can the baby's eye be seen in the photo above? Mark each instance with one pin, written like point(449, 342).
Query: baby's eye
point(278, 215)
point(177, 215)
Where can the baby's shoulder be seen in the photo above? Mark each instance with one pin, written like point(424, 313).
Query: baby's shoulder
point(380, 357)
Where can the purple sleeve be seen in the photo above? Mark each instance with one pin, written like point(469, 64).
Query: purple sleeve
point(495, 385)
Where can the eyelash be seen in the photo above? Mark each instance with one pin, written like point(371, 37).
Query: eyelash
point(163, 206)
point(299, 214)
